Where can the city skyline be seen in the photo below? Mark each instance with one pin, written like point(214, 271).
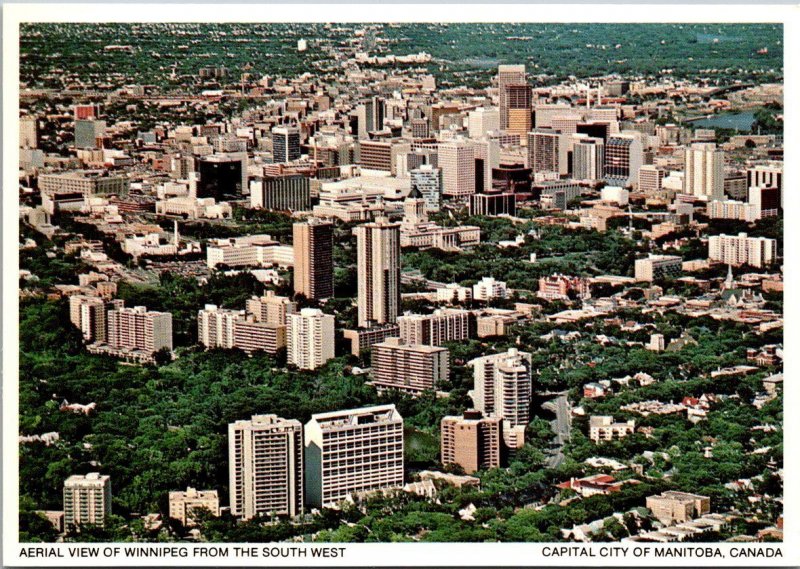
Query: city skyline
point(376, 290)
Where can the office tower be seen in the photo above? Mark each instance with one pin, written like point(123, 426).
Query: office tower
point(313, 258)
point(408, 367)
point(766, 175)
point(487, 158)
point(651, 179)
point(587, 158)
point(493, 204)
point(378, 272)
point(601, 130)
point(185, 506)
point(265, 464)
point(310, 338)
point(358, 122)
point(284, 193)
point(508, 75)
point(375, 155)
point(137, 329)
point(419, 128)
point(742, 250)
point(270, 308)
point(427, 180)
point(353, 451)
point(503, 386)
point(566, 123)
point(457, 161)
point(285, 144)
point(623, 158)
point(512, 179)
point(472, 441)
point(87, 132)
point(374, 112)
point(87, 500)
point(221, 175)
point(547, 152)
point(704, 171)
point(518, 117)
point(444, 325)
point(28, 132)
point(482, 121)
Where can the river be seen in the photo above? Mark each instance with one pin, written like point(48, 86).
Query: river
point(740, 121)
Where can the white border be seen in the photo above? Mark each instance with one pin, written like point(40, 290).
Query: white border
point(442, 554)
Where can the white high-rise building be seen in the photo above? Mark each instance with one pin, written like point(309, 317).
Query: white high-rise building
point(353, 451)
point(378, 272)
point(457, 161)
point(310, 338)
point(704, 166)
point(503, 386)
point(265, 463)
point(87, 500)
point(489, 288)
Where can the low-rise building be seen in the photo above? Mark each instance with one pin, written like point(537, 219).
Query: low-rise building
point(603, 428)
point(675, 507)
point(184, 505)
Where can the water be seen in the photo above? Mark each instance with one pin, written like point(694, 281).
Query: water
point(740, 121)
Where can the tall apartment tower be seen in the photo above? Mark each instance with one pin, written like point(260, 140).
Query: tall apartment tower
point(587, 158)
point(137, 329)
point(457, 161)
point(508, 75)
point(503, 386)
point(285, 144)
point(704, 166)
point(87, 500)
point(378, 272)
point(310, 338)
point(547, 152)
point(353, 451)
point(265, 462)
point(313, 259)
point(89, 314)
point(472, 441)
